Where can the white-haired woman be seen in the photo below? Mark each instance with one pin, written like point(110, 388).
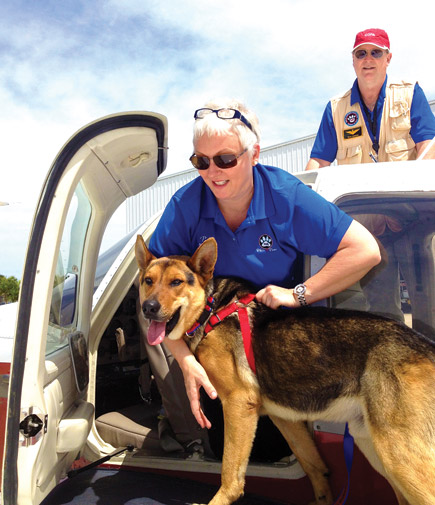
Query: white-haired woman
point(262, 218)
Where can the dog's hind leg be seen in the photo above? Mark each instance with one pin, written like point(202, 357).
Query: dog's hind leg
point(240, 409)
point(402, 428)
point(412, 481)
point(305, 450)
point(365, 445)
point(401, 500)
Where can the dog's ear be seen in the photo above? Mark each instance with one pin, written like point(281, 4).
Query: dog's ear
point(143, 256)
point(204, 259)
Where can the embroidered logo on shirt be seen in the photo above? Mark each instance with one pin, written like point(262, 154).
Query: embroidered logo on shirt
point(351, 118)
point(351, 133)
point(265, 241)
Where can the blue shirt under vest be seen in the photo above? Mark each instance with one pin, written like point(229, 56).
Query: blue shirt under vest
point(422, 122)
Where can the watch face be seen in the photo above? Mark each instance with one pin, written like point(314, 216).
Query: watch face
point(300, 289)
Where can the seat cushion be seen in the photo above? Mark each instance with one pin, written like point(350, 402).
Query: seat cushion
point(130, 426)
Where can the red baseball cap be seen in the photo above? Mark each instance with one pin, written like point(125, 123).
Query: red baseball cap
point(374, 36)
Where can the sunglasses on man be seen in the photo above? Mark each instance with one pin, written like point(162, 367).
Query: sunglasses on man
point(360, 54)
point(221, 160)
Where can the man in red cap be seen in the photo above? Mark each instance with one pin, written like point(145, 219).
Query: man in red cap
point(378, 119)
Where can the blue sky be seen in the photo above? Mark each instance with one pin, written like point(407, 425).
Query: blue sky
point(66, 63)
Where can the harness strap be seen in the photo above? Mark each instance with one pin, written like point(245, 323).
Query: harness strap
point(203, 317)
point(215, 319)
point(245, 328)
point(238, 306)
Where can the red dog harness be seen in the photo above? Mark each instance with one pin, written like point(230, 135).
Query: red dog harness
point(241, 307)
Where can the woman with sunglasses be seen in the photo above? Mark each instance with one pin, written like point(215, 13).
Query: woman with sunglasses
point(262, 218)
point(378, 119)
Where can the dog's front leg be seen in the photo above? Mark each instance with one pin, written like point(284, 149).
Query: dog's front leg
point(241, 410)
point(305, 450)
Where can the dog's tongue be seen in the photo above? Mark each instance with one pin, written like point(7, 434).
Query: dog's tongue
point(156, 333)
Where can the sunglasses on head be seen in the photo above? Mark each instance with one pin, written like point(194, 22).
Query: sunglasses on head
point(221, 160)
point(223, 114)
point(360, 54)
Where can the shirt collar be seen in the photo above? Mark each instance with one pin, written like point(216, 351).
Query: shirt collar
point(356, 96)
point(261, 206)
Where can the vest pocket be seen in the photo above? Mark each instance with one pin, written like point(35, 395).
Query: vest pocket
point(350, 154)
point(400, 115)
point(399, 150)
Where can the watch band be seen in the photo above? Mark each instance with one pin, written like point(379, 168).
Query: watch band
point(299, 291)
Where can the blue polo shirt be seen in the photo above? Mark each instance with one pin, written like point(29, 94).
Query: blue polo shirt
point(422, 122)
point(284, 217)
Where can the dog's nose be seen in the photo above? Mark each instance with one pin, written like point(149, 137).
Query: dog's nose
point(150, 308)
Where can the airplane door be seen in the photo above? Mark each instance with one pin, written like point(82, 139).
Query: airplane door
point(49, 413)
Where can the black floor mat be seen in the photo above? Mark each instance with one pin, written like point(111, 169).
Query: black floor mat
point(122, 487)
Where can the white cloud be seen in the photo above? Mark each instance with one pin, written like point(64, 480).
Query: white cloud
point(64, 64)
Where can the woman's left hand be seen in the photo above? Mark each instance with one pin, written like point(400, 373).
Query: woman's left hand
point(275, 296)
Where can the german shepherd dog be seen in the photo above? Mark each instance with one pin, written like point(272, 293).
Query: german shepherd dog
point(311, 363)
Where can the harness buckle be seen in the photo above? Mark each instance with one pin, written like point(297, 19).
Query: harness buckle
point(214, 320)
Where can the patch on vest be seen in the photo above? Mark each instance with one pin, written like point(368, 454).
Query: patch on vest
point(351, 118)
point(352, 133)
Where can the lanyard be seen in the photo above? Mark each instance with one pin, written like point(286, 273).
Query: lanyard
point(373, 123)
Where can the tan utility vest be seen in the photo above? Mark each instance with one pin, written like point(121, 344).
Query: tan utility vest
point(395, 142)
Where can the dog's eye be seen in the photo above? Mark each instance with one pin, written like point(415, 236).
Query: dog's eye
point(176, 282)
point(148, 281)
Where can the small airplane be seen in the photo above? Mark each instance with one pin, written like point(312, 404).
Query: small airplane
point(75, 425)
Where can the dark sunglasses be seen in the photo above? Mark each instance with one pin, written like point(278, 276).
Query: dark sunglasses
point(221, 160)
point(360, 54)
point(223, 114)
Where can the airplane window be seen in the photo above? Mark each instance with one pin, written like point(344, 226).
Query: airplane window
point(65, 287)
point(403, 285)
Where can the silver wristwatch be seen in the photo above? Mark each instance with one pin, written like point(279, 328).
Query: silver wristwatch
point(299, 291)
